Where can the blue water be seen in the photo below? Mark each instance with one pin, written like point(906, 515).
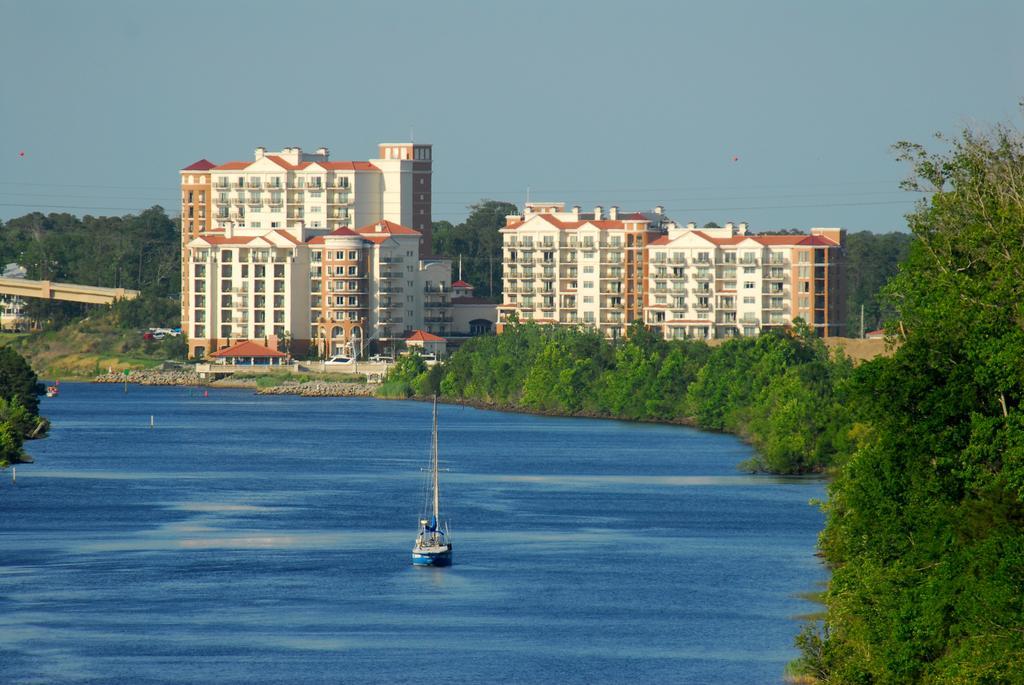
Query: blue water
point(250, 539)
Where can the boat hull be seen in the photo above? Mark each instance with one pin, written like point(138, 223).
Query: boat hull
point(425, 558)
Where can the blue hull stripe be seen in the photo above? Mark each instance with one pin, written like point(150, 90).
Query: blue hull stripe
point(443, 559)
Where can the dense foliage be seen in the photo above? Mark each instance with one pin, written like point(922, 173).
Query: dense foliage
point(477, 241)
point(925, 528)
point(783, 392)
point(871, 260)
point(19, 405)
point(140, 252)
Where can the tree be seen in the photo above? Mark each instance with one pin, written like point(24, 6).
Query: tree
point(871, 259)
point(478, 242)
point(18, 382)
point(925, 528)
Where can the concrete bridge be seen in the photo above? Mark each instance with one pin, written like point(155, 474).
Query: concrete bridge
point(69, 292)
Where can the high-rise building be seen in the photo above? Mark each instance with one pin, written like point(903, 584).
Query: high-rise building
point(606, 270)
point(572, 267)
point(270, 251)
point(722, 282)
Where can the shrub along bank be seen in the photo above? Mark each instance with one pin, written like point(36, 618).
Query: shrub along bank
point(784, 393)
point(19, 406)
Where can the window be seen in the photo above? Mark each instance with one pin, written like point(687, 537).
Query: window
point(225, 255)
point(200, 331)
point(589, 269)
point(804, 257)
point(588, 284)
point(353, 255)
point(748, 285)
point(354, 271)
point(804, 271)
point(315, 255)
point(749, 269)
point(254, 224)
point(588, 299)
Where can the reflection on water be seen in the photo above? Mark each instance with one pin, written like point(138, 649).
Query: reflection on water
point(267, 540)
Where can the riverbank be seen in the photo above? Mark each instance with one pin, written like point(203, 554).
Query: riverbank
point(283, 386)
point(151, 377)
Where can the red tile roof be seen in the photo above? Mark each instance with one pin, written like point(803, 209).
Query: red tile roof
point(221, 240)
point(386, 227)
point(289, 236)
point(232, 166)
point(281, 163)
point(461, 284)
point(343, 232)
point(349, 166)
point(425, 337)
point(604, 225)
point(201, 165)
point(247, 348)
point(767, 240)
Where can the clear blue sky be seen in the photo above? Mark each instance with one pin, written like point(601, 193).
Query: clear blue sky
point(613, 103)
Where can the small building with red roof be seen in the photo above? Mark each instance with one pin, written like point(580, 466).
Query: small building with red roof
point(250, 353)
point(427, 342)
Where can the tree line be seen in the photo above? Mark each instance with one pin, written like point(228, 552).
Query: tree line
point(19, 406)
point(784, 392)
point(136, 251)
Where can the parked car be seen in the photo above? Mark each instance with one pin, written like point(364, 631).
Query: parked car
point(382, 359)
point(340, 360)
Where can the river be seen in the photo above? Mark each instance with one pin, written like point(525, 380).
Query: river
point(247, 539)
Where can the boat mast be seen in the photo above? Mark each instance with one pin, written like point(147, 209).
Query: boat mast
point(437, 512)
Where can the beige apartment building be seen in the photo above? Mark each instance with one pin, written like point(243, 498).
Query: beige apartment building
point(606, 270)
point(571, 267)
point(721, 282)
point(302, 251)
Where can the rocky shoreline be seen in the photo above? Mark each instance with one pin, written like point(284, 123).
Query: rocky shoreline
point(321, 389)
point(187, 378)
point(151, 377)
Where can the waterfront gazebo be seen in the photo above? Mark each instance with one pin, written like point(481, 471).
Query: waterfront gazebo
point(249, 353)
point(427, 342)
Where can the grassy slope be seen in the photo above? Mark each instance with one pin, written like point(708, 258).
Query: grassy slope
point(86, 348)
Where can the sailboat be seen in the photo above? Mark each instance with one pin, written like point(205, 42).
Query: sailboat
point(433, 544)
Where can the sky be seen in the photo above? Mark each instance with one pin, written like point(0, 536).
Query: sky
point(781, 114)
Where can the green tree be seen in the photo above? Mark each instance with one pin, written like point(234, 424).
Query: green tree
point(478, 242)
point(18, 381)
point(925, 528)
point(871, 259)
